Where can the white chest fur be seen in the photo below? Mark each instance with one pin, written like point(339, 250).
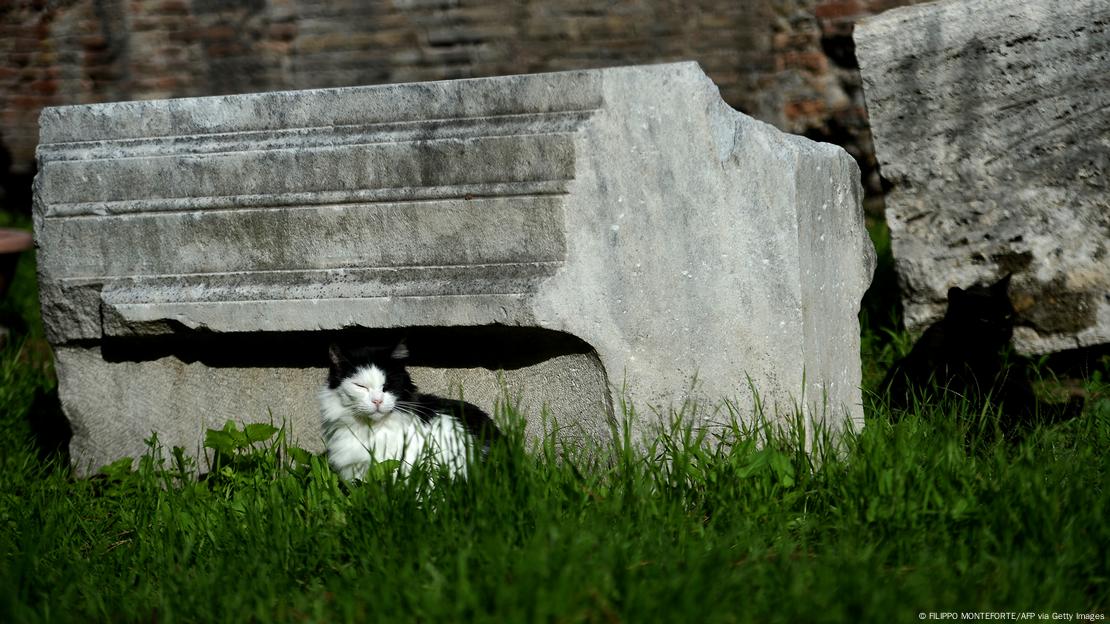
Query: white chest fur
point(355, 441)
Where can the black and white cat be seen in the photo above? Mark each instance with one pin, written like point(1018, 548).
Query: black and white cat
point(371, 411)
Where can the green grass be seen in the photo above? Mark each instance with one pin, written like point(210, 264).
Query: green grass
point(918, 516)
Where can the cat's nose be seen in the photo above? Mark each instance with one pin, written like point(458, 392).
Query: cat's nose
point(376, 402)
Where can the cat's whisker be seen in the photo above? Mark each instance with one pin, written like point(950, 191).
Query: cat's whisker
point(415, 406)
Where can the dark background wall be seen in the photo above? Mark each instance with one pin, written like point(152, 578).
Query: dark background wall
point(787, 62)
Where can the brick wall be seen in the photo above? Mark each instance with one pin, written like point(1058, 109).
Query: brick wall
point(787, 62)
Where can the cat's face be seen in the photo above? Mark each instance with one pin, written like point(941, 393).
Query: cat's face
point(370, 381)
point(982, 314)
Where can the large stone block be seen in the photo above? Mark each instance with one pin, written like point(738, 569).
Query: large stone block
point(575, 239)
point(991, 119)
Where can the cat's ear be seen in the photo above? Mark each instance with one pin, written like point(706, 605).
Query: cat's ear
point(335, 355)
point(955, 294)
point(400, 352)
point(1002, 285)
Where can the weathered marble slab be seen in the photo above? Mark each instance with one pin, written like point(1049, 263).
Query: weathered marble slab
point(991, 119)
point(571, 239)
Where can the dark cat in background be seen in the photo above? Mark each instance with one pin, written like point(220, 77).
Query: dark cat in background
point(964, 354)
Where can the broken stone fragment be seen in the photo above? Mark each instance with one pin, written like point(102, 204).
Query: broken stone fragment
point(570, 240)
point(990, 120)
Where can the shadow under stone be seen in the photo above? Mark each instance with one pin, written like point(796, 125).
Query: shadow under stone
point(493, 347)
point(49, 426)
point(1080, 363)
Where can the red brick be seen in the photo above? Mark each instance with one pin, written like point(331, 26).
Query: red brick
point(799, 109)
point(102, 73)
point(23, 101)
point(185, 35)
point(174, 7)
point(19, 59)
point(94, 42)
point(44, 87)
point(42, 27)
point(219, 32)
point(143, 24)
point(812, 61)
point(284, 31)
point(836, 9)
point(225, 49)
point(167, 83)
point(25, 44)
point(794, 41)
